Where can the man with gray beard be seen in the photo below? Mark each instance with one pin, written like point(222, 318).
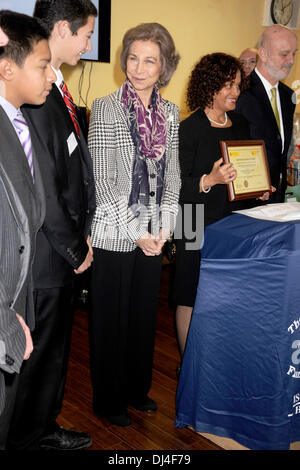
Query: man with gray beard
point(268, 104)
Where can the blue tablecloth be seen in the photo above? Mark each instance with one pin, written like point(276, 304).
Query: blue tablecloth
point(240, 375)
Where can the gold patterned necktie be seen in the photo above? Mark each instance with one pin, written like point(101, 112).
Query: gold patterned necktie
point(274, 107)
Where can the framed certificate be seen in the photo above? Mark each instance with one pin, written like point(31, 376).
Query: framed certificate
point(249, 160)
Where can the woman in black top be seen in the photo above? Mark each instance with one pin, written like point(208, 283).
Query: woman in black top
point(214, 87)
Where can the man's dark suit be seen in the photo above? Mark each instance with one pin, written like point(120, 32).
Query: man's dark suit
point(22, 206)
point(61, 248)
point(255, 105)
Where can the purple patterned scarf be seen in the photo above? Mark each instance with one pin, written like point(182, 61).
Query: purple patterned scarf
point(149, 136)
point(153, 136)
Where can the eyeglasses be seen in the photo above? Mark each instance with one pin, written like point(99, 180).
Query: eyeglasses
point(248, 61)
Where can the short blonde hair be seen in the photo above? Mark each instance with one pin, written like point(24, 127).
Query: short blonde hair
point(158, 34)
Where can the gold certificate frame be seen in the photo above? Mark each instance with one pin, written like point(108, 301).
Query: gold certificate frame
point(249, 159)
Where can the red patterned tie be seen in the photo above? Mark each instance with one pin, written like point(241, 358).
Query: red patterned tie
point(70, 105)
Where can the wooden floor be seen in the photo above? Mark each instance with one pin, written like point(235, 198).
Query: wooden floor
point(148, 431)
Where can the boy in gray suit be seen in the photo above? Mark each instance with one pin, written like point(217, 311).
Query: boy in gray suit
point(63, 248)
point(25, 77)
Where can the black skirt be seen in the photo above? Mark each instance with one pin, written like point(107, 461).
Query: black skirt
point(187, 268)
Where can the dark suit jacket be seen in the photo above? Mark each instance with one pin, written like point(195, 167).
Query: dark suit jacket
point(69, 187)
point(22, 209)
point(255, 105)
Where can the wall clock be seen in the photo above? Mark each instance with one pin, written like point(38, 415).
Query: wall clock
point(281, 11)
point(285, 12)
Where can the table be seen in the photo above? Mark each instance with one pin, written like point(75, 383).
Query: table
point(240, 375)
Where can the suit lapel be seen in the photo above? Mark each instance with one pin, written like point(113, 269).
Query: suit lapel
point(117, 98)
point(170, 119)
point(38, 182)
point(117, 102)
point(10, 135)
point(60, 102)
point(259, 91)
point(285, 109)
point(14, 202)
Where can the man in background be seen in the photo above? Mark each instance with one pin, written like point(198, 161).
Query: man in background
point(248, 59)
point(63, 246)
point(268, 103)
point(25, 77)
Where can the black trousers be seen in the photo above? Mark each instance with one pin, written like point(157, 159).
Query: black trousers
point(43, 376)
point(11, 384)
point(124, 300)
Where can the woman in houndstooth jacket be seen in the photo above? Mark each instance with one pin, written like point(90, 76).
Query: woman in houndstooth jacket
point(133, 140)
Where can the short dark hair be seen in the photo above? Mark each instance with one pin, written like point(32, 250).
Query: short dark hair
point(23, 32)
point(209, 76)
point(76, 12)
point(160, 35)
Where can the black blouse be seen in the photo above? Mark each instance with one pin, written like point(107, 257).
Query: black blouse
point(199, 148)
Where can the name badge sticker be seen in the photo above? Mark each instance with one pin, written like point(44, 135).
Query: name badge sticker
point(72, 143)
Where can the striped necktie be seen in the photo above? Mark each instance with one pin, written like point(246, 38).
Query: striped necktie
point(25, 139)
point(274, 106)
point(70, 105)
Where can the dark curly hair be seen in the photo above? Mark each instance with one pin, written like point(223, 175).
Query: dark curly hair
point(209, 76)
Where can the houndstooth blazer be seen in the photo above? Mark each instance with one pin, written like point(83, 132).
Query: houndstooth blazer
point(115, 227)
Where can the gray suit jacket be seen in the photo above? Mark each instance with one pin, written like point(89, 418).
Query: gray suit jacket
point(22, 209)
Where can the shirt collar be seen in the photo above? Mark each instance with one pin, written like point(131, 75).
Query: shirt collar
point(59, 77)
point(268, 86)
point(9, 108)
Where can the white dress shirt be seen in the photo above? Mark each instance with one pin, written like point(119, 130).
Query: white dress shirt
point(10, 111)
point(59, 79)
point(267, 85)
